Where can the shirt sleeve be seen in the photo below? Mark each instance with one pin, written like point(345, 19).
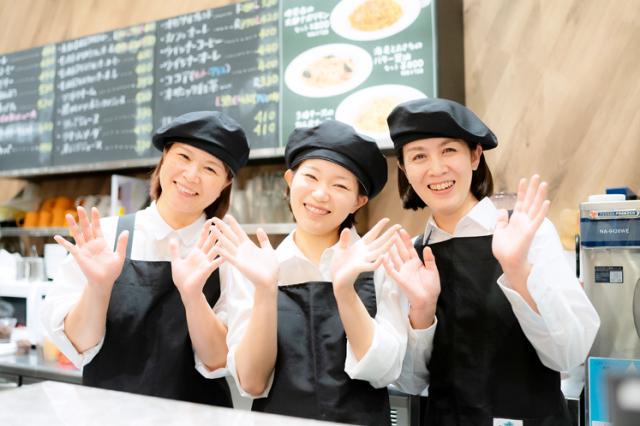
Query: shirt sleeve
point(414, 377)
point(220, 310)
point(564, 330)
point(64, 293)
point(239, 296)
point(382, 362)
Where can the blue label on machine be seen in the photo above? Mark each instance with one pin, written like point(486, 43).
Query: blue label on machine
point(599, 370)
point(609, 232)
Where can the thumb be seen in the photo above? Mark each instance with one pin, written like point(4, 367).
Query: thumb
point(174, 252)
point(344, 238)
point(503, 219)
point(121, 247)
point(428, 259)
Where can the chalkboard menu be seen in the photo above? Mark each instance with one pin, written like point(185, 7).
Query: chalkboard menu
point(104, 97)
point(354, 61)
point(272, 65)
point(222, 59)
point(26, 108)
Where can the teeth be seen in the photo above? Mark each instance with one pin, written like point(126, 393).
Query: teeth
point(185, 190)
point(441, 186)
point(316, 209)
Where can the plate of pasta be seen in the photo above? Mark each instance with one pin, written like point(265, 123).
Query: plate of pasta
point(367, 109)
point(328, 70)
point(364, 20)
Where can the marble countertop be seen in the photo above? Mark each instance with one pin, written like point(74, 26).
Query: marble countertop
point(54, 403)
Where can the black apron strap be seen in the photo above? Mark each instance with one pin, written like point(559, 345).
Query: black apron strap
point(126, 223)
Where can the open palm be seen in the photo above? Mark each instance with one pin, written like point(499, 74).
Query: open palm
point(418, 279)
point(363, 256)
point(513, 235)
point(191, 272)
point(258, 263)
point(99, 263)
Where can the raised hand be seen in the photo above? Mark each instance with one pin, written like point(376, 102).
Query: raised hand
point(512, 236)
point(98, 262)
point(418, 280)
point(191, 273)
point(259, 264)
point(363, 256)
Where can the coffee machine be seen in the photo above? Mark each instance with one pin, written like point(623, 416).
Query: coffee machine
point(610, 259)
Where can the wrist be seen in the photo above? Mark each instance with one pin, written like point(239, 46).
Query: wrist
point(344, 292)
point(421, 318)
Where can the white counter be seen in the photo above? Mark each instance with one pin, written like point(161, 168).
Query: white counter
point(53, 404)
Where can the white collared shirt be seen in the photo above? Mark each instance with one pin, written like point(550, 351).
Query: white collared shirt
point(382, 362)
point(563, 332)
point(150, 243)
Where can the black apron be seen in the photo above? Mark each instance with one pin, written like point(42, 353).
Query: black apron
point(483, 366)
point(309, 379)
point(147, 349)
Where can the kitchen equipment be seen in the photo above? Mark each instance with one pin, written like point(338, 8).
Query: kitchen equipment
point(610, 259)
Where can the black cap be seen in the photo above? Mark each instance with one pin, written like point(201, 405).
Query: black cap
point(339, 143)
point(437, 118)
point(210, 131)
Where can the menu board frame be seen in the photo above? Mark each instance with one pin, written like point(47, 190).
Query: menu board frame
point(448, 45)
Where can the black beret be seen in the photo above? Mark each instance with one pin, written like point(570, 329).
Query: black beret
point(210, 131)
point(433, 118)
point(339, 143)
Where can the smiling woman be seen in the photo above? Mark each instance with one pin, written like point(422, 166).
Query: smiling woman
point(143, 295)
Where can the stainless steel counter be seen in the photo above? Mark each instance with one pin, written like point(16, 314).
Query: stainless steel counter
point(52, 404)
point(32, 367)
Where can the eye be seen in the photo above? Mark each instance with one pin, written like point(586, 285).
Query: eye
point(184, 156)
point(449, 150)
point(309, 176)
point(211, 170)
point(341, 186)
point(418, 157)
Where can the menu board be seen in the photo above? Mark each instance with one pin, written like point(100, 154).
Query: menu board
point(104, 97)
point(354, 60)
point(26, 108)
point(223, 59)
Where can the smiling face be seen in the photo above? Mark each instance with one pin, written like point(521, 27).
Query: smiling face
point(191, 180)
point(322, 195)
point(440, 172)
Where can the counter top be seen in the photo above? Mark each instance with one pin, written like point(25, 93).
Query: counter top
point(33, 365)
point(52, 404)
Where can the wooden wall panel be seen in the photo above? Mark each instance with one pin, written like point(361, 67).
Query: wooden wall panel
point(558, 82)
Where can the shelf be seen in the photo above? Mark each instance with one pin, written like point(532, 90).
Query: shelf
point(33, 232)
point(13, 288)
point(249, 228)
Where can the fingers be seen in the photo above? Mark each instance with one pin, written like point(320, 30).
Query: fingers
point(541, 214)
point(215, 264)
point(539, 198)
point(71, 248)
point(394, 256)
point(174, 251)
point(224, 243)
point(210, 240)
point(236, 228)
point(522, 191)
point(386, 237)
point(429, 259)
point(345, 236)
point(74, 230)
point(121, 246)
point(377, 228)
point(263, 239)
point(204, 233)
point(95, 220)
point(502, 220)
point(226, 230)
point(406, 249)
point(85, 225)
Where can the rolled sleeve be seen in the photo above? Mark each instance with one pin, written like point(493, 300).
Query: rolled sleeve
point(563, 331)
point(414, 377)
point(382, 363)
point(64, 294)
